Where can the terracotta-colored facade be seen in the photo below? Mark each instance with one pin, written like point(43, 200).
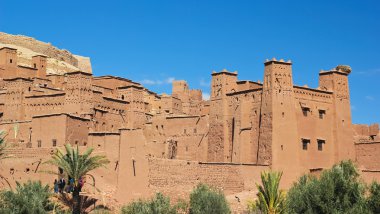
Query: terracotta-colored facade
point(170, 143)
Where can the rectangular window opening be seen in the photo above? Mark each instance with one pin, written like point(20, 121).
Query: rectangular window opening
point(322, 114)
point(320, 144)
point(39, 143)
point(54, 142)
point(305, 143)
point(305, 111)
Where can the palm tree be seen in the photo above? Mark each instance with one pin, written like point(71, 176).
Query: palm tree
point(77, 166)
point(270, 200)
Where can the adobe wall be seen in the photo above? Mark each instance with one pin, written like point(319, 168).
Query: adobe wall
point(370, 175)
point(132, 181)
point(45, 129)
point(314, 128)
point(177, 178)
point(17, 132)
point(368, 155)
point(44, 104)
point(190, 136)
point(26, 164)
point(243, 125)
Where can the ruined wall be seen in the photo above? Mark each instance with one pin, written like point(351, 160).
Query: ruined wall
point(38, 46)
point(169, 176)
point(368, 155)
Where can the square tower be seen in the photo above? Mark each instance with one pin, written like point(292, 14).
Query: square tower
point(8, 62)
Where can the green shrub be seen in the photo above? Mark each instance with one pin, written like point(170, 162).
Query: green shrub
point(30, 197)
point(157, 205)
point(206, 200)
point(338, 190)
point(373, 200)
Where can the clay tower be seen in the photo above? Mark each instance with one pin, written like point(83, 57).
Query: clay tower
point(278, 137)
point(219, 148)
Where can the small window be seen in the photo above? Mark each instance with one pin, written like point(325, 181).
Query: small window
point(39, 143)
point(195, 131)
point(184, 131)
point(35, 65)
point(322, 114)
point(320, 144)
point(305, 111)
point(11, 61)
point(76, 142)
point(305, 143)
point(54, 142)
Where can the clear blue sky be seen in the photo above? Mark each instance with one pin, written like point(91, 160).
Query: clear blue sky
point(155, 41)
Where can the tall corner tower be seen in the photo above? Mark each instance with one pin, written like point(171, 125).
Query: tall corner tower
point(336, 80)
point(278, 137)
point(218, 144)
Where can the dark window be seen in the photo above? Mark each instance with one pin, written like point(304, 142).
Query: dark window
point(322, 114)
point(320, 144)
point(184, 131)
point(54, 142)
point(195, 131)
point(122, 97)
point(305, 111)
point(10, 60)
point(39, 143)
point(76, 142)
point(35, 65)
point(305, 143)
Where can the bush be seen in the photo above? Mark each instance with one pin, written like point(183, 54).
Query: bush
point(338, 190)
point(373, 200)
point(206, 200)
point(31, 197)
point(157, 205)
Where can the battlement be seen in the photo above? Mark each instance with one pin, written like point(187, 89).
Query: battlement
point(224, 71)
point(275, 61)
